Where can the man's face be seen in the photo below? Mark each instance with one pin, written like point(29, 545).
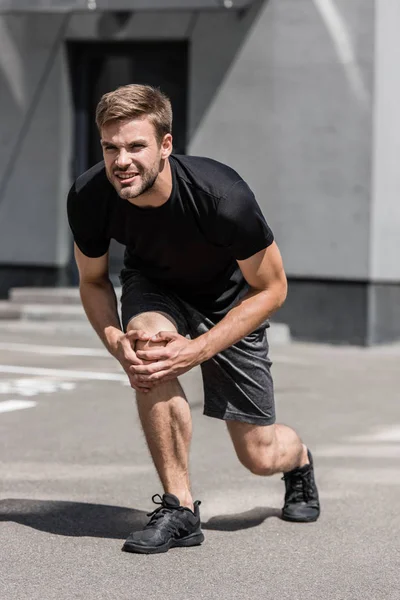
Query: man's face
point(132, 155)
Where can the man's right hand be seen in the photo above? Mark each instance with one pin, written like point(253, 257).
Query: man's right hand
point(123, 348)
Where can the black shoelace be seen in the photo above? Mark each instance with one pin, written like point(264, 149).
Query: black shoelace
point(301, 487)
point(160, 512)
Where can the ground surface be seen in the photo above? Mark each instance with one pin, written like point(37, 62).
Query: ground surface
point(76, 478)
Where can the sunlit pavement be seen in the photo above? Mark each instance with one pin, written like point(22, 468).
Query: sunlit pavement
point(76, 478)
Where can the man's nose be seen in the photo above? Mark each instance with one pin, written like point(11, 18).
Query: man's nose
point(123, 159)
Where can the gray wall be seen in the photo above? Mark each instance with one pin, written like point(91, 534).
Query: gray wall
point(290, 119)
point(35, 138)
point(385, 215)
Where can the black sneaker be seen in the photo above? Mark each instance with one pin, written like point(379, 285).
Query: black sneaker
point(301, 498)
point(170, 525)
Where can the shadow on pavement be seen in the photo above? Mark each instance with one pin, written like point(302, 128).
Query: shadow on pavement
point(245, 520)
point(101, 520)
point(73, 518)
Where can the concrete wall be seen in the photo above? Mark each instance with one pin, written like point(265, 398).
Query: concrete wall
point(35, 138)
point(293, 115)
point(385, 215)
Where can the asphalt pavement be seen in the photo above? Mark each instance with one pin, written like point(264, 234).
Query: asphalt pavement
point(76, 478)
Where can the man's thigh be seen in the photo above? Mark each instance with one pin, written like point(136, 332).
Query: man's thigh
point(144, 302)
point(237, 382)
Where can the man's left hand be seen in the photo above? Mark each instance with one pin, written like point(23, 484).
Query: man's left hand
point(178, 356)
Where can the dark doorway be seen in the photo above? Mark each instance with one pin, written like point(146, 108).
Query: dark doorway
point(97, 68)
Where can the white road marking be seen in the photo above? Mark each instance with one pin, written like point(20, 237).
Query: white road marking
point(10, 405)
point(53, 350)
point(341, 477)
point(40, 471)
point(359, 451)
point(386, 434)
point(63, 373)
point(34, 386)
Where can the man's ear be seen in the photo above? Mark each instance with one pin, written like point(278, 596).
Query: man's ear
point(166, 146)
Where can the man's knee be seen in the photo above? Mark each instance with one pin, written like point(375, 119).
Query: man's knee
point(255, 447)
point(151, 323)
point(259, 461)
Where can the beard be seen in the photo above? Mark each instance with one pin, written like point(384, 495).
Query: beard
point(145, 181)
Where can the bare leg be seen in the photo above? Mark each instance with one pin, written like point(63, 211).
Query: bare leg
point(167, 424)
point(266, 450)
point(166, 420)
point(270, 449)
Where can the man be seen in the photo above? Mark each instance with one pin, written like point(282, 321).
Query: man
point(202, 274)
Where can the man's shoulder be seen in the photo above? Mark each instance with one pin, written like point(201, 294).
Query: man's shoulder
point(94, 179)
point(206, 174)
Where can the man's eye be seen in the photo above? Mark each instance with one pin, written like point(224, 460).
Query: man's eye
point(137, 146)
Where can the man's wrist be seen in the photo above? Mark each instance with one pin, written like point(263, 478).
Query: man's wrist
point(112, 336)
point(202, 348)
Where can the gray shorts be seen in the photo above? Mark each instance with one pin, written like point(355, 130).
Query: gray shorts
point(237, 382)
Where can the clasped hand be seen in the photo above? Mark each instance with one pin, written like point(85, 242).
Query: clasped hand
point(165, 362)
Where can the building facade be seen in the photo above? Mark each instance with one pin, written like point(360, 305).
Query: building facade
point(301, 97)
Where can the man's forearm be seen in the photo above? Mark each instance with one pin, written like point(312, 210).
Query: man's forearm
point(253, 309)
point(100, 305)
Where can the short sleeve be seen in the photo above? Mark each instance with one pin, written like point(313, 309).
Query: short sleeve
point(240, 223)
point(86, 223)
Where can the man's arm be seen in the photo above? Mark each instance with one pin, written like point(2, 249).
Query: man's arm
point(266, 277)
point(98, 297)
point(100, 305)
point(268, 287)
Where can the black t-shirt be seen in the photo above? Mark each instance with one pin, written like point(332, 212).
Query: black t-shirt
point(188, 245)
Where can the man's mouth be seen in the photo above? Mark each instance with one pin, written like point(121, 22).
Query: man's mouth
point(126, 177)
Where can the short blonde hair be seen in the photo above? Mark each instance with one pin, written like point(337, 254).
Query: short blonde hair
point(133, 101)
